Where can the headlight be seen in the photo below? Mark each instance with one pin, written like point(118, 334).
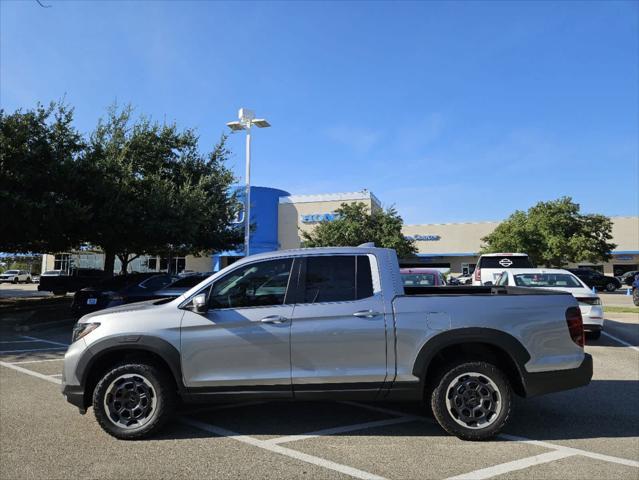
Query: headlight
point(82, 329)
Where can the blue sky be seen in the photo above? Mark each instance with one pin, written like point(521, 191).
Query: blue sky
point(451, 111)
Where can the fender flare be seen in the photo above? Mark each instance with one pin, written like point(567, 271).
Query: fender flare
point(496, 338)
point(142, 343)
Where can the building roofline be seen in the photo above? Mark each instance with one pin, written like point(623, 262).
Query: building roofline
point(330, 197)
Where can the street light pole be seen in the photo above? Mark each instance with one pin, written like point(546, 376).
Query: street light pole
point(246, 121)
point(247, 207)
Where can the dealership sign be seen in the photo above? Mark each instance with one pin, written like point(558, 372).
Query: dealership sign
point(423, 238)
point(319, 217)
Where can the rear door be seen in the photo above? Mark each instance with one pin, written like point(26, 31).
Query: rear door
point(338, 335)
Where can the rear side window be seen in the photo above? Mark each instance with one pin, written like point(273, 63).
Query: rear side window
point(505, 262)
point(339, 278)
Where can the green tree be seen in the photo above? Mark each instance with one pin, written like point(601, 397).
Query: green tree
point(153, 192)
point(39, 178)
point(554, 233)
point(356, 225)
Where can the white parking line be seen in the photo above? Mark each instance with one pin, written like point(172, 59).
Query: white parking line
point(344, 429)
point(575, 451)
point(304, 457)
point(19, 341)
point(21, 362)
point(32, 373)
point(508, 467)
point(8, 352)
point(623, 342)
point(35, 339)
point(530, 441)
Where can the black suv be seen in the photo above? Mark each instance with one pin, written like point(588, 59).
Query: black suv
point(593, 278)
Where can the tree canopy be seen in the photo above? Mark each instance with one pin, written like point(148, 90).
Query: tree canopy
point(355, 225)
point(133, 187)
point(554, 233)
point(154, 192)
point(39, 180)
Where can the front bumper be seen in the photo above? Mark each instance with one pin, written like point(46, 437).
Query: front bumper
point(541, 383)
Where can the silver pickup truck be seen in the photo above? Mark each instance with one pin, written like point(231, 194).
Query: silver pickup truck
point(326, 323)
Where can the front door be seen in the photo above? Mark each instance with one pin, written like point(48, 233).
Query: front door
point(338, 336)
point(242, 343)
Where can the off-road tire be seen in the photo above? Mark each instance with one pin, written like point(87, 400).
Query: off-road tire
point(445, 417)
point(164, 391)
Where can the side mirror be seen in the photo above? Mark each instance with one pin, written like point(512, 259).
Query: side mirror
point(199, 303)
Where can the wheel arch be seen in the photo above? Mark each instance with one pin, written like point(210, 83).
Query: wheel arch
point(117, 349)
point(474, 343)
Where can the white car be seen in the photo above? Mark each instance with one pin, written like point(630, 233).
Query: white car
point(15, 276)
point(491, 265)
point(564, 281)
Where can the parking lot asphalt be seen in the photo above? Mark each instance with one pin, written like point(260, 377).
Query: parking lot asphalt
point(591, 432)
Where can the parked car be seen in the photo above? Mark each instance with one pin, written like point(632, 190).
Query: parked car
point(77, 279)
point(326, 323)
point(15, 276)
point(120, 290)
point(635, 291)
point(564, 281)
point(465, 279)
point(628, 278)
point(181, 285)
point(422, 277)
point(490, 266)
point(595, 279)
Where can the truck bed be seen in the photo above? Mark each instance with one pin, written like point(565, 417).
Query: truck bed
point(478, 290)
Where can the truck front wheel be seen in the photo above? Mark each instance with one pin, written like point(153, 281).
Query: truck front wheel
point(471, 400)
point(133, 400)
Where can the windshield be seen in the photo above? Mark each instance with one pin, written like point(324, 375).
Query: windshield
point(562, 280)
point(11, 271)
point(419, 279)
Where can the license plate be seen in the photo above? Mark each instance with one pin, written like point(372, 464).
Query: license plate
point(92, 301)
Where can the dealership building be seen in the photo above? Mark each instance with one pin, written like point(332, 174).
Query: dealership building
point(279, 218)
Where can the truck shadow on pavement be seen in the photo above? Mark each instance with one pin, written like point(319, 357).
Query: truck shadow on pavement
point(604, 409)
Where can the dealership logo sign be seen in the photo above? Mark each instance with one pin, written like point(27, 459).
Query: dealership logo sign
point(423, 238)
point(319, 217)
point(505, 262)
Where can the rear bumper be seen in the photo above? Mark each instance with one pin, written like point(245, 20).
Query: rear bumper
point(557, 380)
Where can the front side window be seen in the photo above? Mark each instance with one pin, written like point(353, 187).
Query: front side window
point(339, 278)
point(255, 285)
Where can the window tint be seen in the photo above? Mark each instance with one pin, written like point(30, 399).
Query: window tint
point(339, 278)
point(507, 261)
point(190, 281)
point(563, 280)
point(255, 285)
point(157, 282)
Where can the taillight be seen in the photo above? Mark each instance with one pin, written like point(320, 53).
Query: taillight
point(478, 274)
point(575, 325)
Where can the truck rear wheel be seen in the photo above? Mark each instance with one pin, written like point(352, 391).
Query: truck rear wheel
point(471, 400)
point(133, 400)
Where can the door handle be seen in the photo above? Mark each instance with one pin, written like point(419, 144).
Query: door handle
point(272, 319)
point(366, 314)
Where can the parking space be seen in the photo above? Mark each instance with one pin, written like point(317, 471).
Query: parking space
point(584, 433)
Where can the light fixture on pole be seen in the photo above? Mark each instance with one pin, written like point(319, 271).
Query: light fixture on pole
point(246, 119)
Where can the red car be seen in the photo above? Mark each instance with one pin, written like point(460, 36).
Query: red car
point(422, 277)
